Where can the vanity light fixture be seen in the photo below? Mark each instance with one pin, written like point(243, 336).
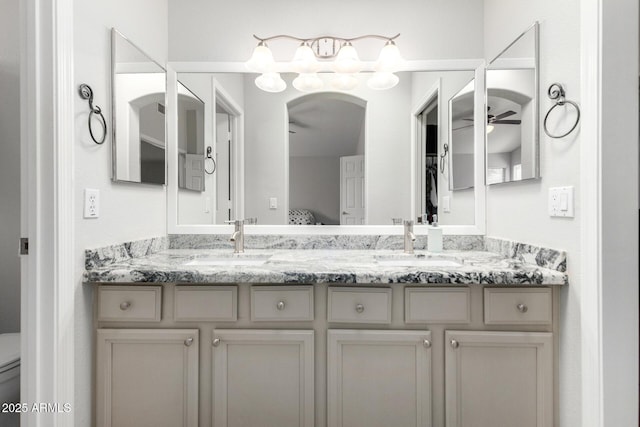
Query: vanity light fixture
point(325, 54)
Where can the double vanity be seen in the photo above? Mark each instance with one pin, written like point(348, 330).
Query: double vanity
point(367, 336)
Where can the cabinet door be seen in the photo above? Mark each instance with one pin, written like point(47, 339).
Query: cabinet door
point(498, 379)
point(147, 378)
point(263, 378)
point(378, 378)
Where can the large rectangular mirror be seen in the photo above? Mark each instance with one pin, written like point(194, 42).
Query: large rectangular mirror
point(320, 159)
point(138, 116)
point(512, 112)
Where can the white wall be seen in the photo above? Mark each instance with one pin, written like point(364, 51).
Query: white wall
point(423, 26)
point(9, 166)
point(519, 210)
point(314, 184)
point(127, 211)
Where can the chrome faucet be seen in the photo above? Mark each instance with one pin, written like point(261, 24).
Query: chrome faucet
point(409, 237)
point(238, 236)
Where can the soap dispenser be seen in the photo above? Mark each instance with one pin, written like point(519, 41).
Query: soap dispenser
point(434, 237)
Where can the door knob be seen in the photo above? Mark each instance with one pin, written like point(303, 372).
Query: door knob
point(280, 305)
point(522, 308)
point(188, 342)
point(125, 305)
point(455, 344)
point(359, 308)
point(345, 213)
point(216, 342)
point(427, 343)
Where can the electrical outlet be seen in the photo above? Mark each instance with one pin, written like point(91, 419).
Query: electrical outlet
point(91, 203)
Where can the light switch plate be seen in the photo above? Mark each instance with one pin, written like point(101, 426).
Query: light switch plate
point(446, 204)
point(91, 203)
point(561, 202)
point(273, 203)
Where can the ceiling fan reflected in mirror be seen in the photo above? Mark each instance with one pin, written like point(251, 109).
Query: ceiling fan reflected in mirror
point(496, 120)
point(296, 124)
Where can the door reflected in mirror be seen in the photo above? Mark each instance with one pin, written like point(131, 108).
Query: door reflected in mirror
point(462, 137)
point(138, 116)
point(512, 112)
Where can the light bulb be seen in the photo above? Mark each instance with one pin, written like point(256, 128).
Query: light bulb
point(347, 60)
point(304, 61)
point(271, 82)
point(262, 59)
point(308, 82)
point(490, 128)
point(344, 82)
point(389, 59)
point(382, 80)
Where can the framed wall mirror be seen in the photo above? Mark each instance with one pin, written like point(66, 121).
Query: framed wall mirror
point(317, 162)
point(513, 152)
point(138, 114)
point(461, 137)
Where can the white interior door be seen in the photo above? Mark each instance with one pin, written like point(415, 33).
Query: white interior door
point(194, 172)
point(352, 190)
point(224, 205)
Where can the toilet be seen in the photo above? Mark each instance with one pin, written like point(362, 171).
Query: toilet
point(9, 376)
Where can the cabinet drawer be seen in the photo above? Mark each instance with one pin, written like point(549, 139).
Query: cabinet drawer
point(517, 306)
point(281, 303)
point(437, 305)
point(359, 305)
point(129, 303)
point(206, 303)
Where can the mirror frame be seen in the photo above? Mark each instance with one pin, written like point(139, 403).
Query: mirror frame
point(114, 149)
point(478, 228)
point(536, 101)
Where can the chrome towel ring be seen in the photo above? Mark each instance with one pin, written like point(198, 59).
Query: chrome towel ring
point(213, 161)
point(556, 93)
point(86, 92)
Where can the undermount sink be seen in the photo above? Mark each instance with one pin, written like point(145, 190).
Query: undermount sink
point(229, 261)
point(416, 261)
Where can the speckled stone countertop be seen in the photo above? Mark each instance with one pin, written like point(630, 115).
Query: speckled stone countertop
point(345, 266)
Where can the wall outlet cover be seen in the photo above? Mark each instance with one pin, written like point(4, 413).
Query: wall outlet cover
point(91, 203)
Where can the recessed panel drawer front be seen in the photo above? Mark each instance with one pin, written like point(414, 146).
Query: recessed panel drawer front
point(517, 306)
point(359, 305)
point(281, 303)
point(206, 303)
point(437, 305)
point(129, 303)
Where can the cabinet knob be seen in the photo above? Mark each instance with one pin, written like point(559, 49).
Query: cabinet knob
point(455, 344)
point(216, 342)
point(188, 342)
point(427, 343)
point(124, 306)
point(522, 308)
point(359, 308)
point(280, 305)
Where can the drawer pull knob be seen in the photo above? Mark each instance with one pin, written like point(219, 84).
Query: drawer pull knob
point(188, 342)
point(280, 305)
point(216, 342)
point(522, 308)
point(124, 306)
point(427, 343)
point(455, 344)
point(359, 308)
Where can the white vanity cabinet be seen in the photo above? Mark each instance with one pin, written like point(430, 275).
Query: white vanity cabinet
point(147, 378)
point(325, 355)
point(263, 378)
point(378, 378)
point(498, 379)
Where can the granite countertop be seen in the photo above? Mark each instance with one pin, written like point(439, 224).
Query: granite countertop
point(324, 266)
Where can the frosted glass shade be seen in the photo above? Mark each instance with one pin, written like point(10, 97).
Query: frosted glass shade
point(344, 82)
point(347, 60)
point(490, 128)
point(389, 59)
point(382, 80)
point(304, 61)
point(262, 59)
point(271, 82)
point(308, 82)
